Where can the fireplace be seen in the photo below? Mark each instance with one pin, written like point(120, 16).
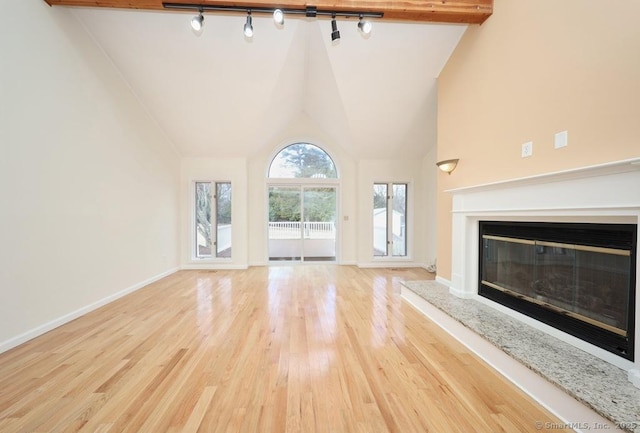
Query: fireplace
point(576, 277)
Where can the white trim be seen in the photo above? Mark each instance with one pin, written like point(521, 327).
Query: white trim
point(292, 141)
point(46, 327)
point(216, 266)
point(444, 281)
point(335, 184)
point(603, 193)
point(565, 407)
point(304, 181)
point(390, 264)
point(409, 219)
point(614, 167)
point(193, 244)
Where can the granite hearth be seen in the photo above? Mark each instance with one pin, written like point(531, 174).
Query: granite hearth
point(599, 385)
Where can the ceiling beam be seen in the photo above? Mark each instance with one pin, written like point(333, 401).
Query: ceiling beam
point(443, 11)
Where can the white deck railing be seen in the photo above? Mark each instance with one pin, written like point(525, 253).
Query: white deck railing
point(311, 230)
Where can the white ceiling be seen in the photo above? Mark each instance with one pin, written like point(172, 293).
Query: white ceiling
point(218, 94)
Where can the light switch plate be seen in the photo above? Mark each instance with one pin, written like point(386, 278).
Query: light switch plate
point(527, 149)
point(560, 139)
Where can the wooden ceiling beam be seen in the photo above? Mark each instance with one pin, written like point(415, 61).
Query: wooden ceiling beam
point(443, 11)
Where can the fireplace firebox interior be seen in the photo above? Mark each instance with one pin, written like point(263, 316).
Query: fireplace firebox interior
point(576, 277)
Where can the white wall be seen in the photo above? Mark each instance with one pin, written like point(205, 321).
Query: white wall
point(426, 198)
point(232, 170)
point(89, 183)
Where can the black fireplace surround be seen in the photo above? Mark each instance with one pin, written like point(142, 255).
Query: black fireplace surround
point(577, 277)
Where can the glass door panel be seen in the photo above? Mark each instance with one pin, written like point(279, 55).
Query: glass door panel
point(285, 229)
point(319, 228)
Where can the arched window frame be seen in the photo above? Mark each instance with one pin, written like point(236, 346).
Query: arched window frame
point(303, 180)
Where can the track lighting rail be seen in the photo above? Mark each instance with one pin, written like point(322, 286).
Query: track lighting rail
point(309, 11)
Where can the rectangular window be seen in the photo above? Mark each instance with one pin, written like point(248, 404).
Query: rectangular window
point(223, 219)
point(380, 200)
point(389, 219)
point(399, 220)
point(203, 219)
point(212, 209)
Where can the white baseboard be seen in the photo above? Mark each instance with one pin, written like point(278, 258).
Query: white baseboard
point(389, 264)
point(46, 327)
point(213, 266)
point(634, 377)
point(444, 281)
point(284, 263)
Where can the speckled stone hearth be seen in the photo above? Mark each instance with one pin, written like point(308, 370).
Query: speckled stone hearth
point(598, 384)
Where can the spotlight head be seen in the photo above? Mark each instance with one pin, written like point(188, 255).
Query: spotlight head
point(248, 27)
point(197, 22)
point(364, 26)
point(335, 34)
point(278, 17)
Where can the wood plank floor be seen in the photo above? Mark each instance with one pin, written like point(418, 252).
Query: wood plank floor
point(313, 348)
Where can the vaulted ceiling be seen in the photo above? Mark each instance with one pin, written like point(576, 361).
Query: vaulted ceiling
point(218, 94)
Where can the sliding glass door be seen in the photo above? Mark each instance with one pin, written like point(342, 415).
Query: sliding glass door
point(285, 231)
point(319, 228)
point(302, 223)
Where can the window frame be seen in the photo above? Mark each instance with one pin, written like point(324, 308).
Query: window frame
point(213, 220)
point(389, 253)
point(294, 178)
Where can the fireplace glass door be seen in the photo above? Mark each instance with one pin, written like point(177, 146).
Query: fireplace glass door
point(589, 283)
point(579, 278)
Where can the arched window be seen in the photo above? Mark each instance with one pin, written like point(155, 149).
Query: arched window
point(302, 160)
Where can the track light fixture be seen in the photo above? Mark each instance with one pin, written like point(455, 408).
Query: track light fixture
point(248, 27)
point(364, 26)
point(335, 34)
point(309, 12)
point(197, 22)
point(278, 17)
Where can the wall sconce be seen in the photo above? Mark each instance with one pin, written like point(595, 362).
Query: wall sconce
point(447, 165)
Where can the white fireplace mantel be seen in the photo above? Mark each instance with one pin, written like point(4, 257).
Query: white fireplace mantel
point(606, 193)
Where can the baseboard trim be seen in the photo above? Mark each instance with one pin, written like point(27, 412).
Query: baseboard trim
point(46, 327)
point(444, 281)
point(213, 266)
point(389, 264)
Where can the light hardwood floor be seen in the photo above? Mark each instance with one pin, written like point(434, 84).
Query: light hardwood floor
point(310, 348)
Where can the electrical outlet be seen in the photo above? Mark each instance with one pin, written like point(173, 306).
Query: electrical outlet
point(527, 149)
